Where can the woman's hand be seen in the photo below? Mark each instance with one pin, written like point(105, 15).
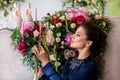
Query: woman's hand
point(41, 54)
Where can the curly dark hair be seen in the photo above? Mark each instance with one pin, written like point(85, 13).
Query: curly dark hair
point(95, 34)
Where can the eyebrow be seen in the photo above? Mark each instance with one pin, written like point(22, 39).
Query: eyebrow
point(78, 32)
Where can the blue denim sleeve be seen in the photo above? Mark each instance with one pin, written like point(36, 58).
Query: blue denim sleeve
point(44, 77)
point(50, 72)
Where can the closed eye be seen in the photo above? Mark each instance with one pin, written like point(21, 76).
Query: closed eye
point(77, 34)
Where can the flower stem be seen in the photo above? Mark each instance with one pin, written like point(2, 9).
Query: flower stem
point(36, 74)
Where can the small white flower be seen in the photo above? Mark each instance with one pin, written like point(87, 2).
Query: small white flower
point(62, 18)
point(104, 23)
point(5, 2)
point(73, 25)
point(58, 39)
point(59, 24)
point(57, 63)
point(52, 57)
point(52, 26)
point(62, 47)
point(58, 14)
point(36, 33)
point(58, 34)
point(62, 42)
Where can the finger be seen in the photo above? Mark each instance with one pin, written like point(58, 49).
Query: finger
point(41, 50)
point(36, 50)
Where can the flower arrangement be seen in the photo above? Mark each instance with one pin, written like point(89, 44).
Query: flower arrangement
point(53, 32)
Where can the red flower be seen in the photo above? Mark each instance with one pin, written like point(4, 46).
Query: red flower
point(23, 51)
point(36, 27)
point(100, 62)
point(23, 45)
point(79, 19)
point(19, 47)
point(27, 31)
point(56, 20)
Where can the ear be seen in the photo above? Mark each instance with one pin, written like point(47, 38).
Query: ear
point(89, 43)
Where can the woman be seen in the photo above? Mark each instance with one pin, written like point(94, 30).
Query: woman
point(89, 40)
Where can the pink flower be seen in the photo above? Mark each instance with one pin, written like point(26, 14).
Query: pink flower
point(77, 15)
point(83, 10)
point(26, 27)
point(68, 38)
point(69, 16)
point(29, 25)
point(50, 38)
point(71, 10)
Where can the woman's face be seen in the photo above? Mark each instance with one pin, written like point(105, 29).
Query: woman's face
point(79, 39)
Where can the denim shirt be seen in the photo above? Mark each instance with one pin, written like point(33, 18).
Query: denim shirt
point(74, 69)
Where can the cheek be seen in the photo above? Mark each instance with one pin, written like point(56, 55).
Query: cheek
point(78, 44)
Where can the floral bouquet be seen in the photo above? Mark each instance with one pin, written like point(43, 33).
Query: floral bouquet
point(54, 32)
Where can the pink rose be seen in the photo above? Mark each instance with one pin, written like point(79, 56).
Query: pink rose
point(29, 25)
point(83, 10)
point(71, 10)
point(69, 16)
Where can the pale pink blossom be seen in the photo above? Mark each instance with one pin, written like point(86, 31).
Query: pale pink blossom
point(50, 38)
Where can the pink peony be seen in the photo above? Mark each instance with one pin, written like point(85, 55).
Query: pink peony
point(68, 38)
point(69, 16)
point(29, 25)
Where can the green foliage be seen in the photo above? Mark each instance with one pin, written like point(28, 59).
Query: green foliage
point(16, 35)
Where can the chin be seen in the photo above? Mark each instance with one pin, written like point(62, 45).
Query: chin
point(72, 46)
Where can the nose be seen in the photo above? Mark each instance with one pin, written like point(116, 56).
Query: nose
point(72, 35)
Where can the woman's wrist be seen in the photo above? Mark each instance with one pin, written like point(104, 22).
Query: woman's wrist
point(45, 62)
